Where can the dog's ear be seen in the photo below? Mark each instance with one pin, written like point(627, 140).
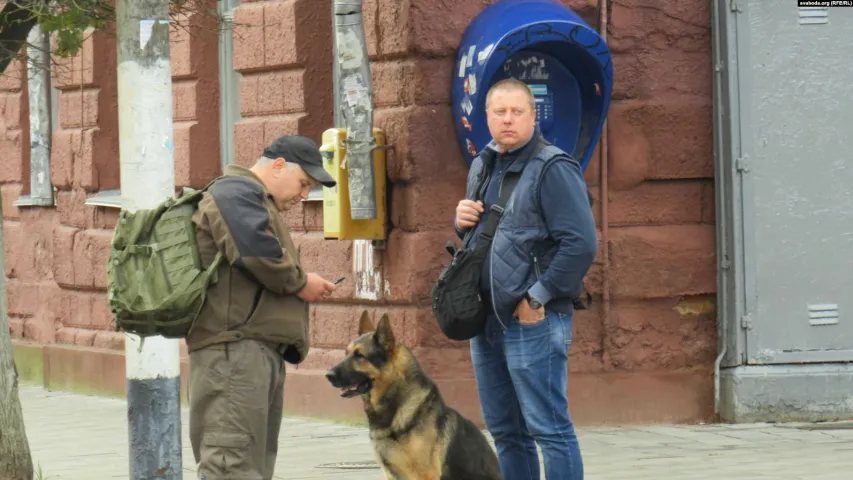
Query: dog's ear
point(364, 324)
point(384, 334)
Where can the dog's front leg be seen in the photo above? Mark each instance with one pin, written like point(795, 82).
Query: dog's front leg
point(386, 473)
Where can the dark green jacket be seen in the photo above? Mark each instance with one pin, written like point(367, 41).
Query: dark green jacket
point(255, 294)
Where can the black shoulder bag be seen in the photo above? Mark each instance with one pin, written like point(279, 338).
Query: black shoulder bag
point(456, 301)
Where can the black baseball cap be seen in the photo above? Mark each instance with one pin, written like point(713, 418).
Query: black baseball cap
point(303, 152)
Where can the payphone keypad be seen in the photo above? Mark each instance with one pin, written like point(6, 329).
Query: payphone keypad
point(544, 106)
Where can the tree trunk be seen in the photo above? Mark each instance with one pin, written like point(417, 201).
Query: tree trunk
point(15, 460)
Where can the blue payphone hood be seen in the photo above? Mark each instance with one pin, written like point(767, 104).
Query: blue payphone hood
point(548, 46)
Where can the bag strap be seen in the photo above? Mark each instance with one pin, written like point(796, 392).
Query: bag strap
point(496, 210)
point(508, 184)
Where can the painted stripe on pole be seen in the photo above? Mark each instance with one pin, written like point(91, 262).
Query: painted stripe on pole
point(160, 358)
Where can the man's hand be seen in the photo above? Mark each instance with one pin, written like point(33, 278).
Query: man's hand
point(315, 288)
point(468, 213)
point(527, 315)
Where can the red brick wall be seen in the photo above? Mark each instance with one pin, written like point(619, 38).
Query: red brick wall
point(650, 358)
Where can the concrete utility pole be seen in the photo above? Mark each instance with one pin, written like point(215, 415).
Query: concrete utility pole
point(148, 178)
point(354, 105)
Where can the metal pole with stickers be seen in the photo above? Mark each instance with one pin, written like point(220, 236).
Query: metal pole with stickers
point(353, 151)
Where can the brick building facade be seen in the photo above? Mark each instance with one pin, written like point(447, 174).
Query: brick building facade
point(643, 353)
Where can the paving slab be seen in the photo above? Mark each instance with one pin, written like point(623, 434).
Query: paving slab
point(85, 437)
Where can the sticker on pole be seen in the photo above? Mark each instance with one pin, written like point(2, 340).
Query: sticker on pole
point(355, 91)
point(146, 28)
point(349, 50)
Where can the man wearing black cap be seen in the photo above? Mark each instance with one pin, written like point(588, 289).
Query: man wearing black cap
point(255, 316)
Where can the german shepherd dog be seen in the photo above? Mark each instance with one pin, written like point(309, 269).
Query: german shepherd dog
point(415, 435)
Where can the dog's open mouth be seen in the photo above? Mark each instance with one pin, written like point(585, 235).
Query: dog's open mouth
point(360, 389)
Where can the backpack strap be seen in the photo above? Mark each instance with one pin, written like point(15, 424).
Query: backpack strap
point(212, 269)
point(211, 183)
point(189, 194)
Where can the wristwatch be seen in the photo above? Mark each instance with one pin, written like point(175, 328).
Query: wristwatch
point(534, 304)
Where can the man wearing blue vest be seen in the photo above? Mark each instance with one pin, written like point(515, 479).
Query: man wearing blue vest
point(544, 245)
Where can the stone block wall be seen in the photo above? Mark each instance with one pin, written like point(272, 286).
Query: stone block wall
point(649, 358)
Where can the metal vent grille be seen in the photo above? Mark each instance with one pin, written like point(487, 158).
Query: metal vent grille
point(823, 314)
point(813, 15)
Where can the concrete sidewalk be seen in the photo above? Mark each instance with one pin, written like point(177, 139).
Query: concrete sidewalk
point(83, 437)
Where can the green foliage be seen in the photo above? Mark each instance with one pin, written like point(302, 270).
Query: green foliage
point(69, 22)
point(70, 19)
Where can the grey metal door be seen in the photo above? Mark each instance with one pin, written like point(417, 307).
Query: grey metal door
point(795, 83)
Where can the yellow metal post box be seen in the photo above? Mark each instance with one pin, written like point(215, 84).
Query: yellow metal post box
point(337, 221)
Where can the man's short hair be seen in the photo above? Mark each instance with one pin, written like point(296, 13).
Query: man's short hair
point(264, 160)
point(512, 84)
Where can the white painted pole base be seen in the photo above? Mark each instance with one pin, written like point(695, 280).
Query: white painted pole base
point(160, 357)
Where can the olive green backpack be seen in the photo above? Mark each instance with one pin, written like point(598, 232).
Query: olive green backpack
point(156, 281)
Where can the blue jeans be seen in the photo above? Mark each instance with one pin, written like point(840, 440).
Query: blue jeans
point(521, 380)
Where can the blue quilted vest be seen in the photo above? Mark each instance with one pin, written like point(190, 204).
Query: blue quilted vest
point(522, 247)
